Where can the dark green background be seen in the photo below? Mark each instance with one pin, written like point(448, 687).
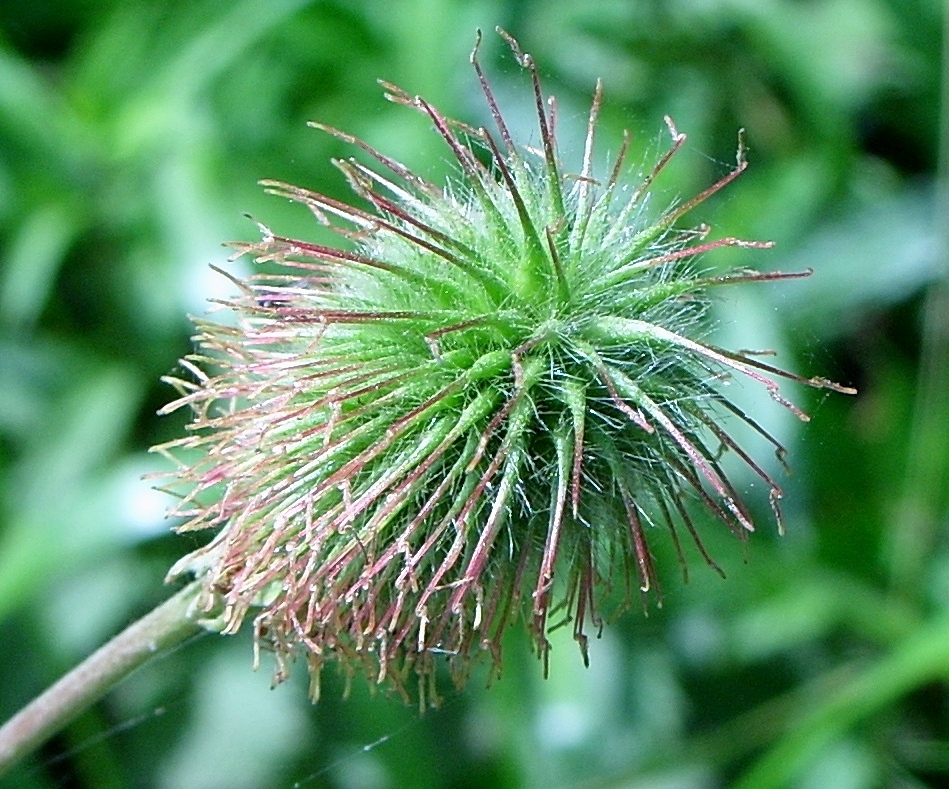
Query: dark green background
point(132, 135)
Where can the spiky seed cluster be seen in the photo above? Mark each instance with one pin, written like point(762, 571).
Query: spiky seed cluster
point(478, 410)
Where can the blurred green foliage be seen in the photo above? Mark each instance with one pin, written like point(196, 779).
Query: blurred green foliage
point(132, 135)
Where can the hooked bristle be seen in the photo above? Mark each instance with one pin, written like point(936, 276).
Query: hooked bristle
point(477, 412)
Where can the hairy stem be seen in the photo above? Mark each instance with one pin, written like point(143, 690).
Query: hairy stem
point(162, 628)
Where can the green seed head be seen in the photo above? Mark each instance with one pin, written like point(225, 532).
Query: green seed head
point(480, 409)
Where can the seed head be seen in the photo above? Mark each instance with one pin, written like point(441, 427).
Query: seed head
point(480, 408)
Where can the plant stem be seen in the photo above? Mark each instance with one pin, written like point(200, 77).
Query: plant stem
point(924, 500)
point(162, 628)
point(920, 659)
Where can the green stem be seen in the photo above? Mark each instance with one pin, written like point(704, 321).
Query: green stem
point(921, 659)
point(923, 504)
point(164, 627)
